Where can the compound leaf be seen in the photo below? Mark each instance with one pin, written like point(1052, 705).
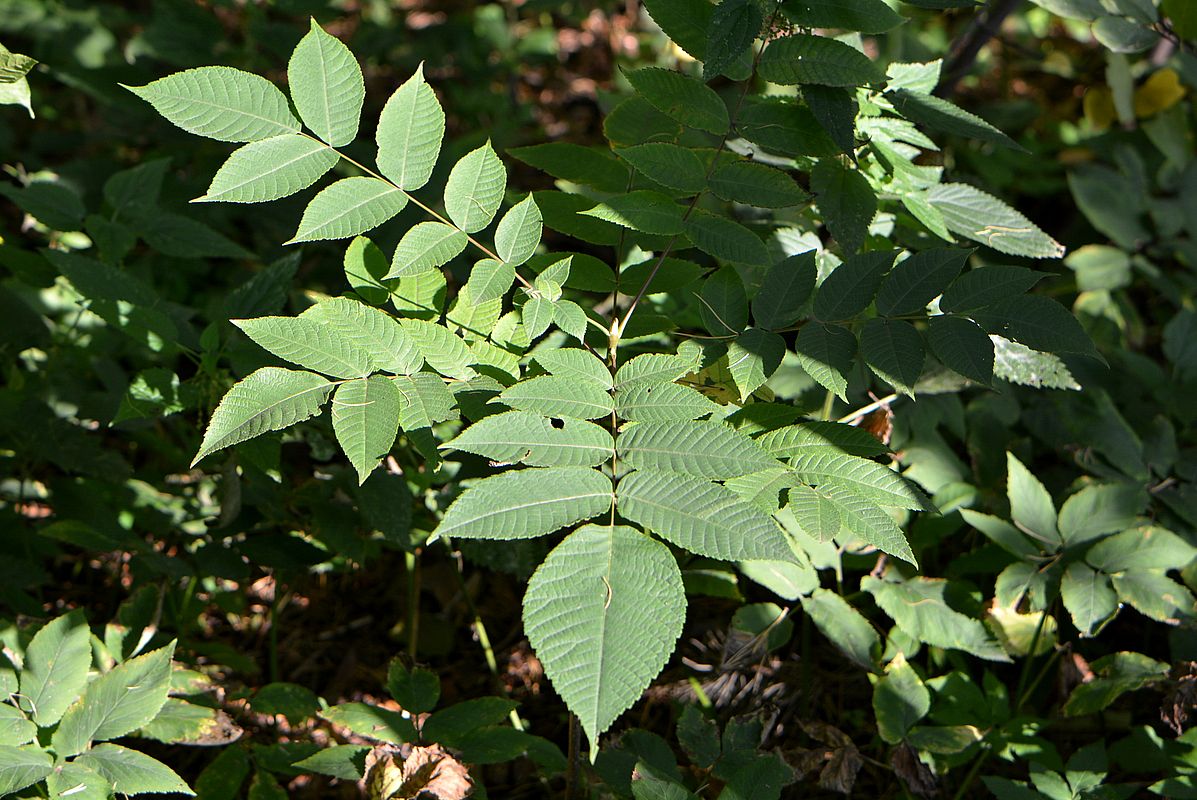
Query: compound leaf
point(894, 350)
point(518, 233)
point(860, 476)
point(919, 279)
point(970, 212)
point(131, 772)
point(56, 666)
point(475, 189)
point(520, 437)
point(962, 346)
point(410, 130)
point(348, 207)
point(269, 169)
point(365, 418)
point(803, 58)
point(701, 449)
point(425, 247)
point(327, 86)
point(682, 98)
point(370, 331)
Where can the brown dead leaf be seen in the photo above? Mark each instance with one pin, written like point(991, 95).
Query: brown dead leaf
point(427, 773)
point(1181, 699)
point(917, 776)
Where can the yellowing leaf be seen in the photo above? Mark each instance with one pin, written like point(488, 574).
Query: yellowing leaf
point(1158, 93)
point(1099, 108)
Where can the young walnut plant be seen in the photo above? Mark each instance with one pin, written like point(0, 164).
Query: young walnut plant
point(587, 432)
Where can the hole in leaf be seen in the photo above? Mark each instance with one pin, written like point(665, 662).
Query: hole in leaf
point(557, 422)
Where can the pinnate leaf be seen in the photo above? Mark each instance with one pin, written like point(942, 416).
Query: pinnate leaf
point(987, 285)
point(668, 164)
point(662, 402)
point(603, 613)
point(920, 608)
point(850, 288)
point(365, 418)
point(826, 353)
point(860, 476)
point(682, 98)
point(56, 666)
point(963, 347)
point(527, 503)
point(643, 211)
point(807, 438)
point(369, 330)
point(327, 86)
point(941, 115)
point(753, 358)
point(1038, 322)
point(701, 449)
point(919, 279)
point(784, 291)
point(894, 350)
point(559, 396)
point(723, 303)
point(131, 772)
point(725, 239)
point(847, 202)
point(349, 207)
point(269, 169)
point(475, 189)
point(702, 517)
point(734, 26)
point(269, 399)
point(576, 364)
point(425, 247)
point(865, 16)
point(410, 130)
point(803, 58)
point(756, 185)
point(519, 232)
point(970, 212)
point(221, 103)
point(520, 437)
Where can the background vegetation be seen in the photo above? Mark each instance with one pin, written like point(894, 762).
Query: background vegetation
point(274, 620)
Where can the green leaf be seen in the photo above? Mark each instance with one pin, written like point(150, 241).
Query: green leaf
point(221, 103)
point(662, 402)
point(1182, 16)
point(894, 350)
point(654, 368)
point(527, 503)
point(724, 303)
point(17, 93)
point(987, 285)
point(444, 351)
point(702, 449)
point(559, 396)
point(733, 28)
point(1089, 597)
point(725, 239)
point(270, 169)
point(410, 130)
point(920, 608)
point(344, 761)
point(1154, 595)
point(860, 476)
point(21, 767)
point(816, 513)
point(14, 66)
point(518, 233)
point(327, 86)
point(376, 723)
point(15, 729)
point(489, 280)
point(603, 612)
point(682, 98)
point(667, 164)
point(365, 418)
point(1018, 364)
point(269, 399)
point(802, 58)
point(425, 247)
point(784, 127)
point(576, 164)
point(475, 189)
point(370, 331)
point(133, 773)
point(900, 700)
point(843, 625)
point(1030, 503)
point(1038, 322)
point(826, 353)
point(417, 691)
point(1115, 674)
point(756, 185)
point(77, 782)
point(851, 286)
point(643, 211)
point(836, 109)
point(962, 346)
point(972, 213)
point(784, 291)
point(919, 279)
point(847, 202)
point(1123, 35)
point(753, 358)
point(56, 665)
point(520, 437)
point(347, 208)
point(701, 517)
point(575, 364)
point(116, 703)
point(537, 315)
point(1098, 510)
point(865, 16)
point(684, 21)
point(304, 341)
point(1149, 547)
point(808, 438)
point(940, 115)
point(864, 521)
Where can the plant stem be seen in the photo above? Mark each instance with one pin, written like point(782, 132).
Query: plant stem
point(411, 560)
point(870, 408)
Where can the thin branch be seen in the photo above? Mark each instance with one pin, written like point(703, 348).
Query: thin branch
point(965, 50)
